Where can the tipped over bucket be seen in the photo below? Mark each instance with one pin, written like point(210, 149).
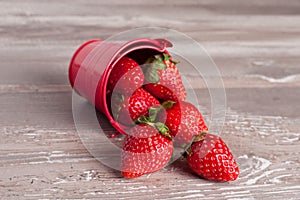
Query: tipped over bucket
point(92, 63)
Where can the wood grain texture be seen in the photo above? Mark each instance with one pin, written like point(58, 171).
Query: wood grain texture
point(255, 44)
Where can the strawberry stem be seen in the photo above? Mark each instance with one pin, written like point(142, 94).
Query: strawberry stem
point(187, 147)
point(188, 151)
point(196, 138)
point(200, 137)
point(142, 120)
point(168, 104)
point(167, 57)
point(163, 129)
point(153, 112)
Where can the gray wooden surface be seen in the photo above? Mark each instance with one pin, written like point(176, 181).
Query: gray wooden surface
point(256, 45)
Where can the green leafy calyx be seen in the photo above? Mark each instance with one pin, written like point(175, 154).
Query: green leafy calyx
point(161, 127)
point(168, 104)
point(152, 65)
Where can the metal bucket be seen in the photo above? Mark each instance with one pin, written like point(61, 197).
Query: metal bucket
point(93, 61)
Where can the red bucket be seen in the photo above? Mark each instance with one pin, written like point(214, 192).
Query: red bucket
point(93, 61)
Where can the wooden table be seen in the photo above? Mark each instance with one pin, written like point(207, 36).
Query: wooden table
point(255, 44)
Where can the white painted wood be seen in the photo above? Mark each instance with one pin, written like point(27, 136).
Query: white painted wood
point(255, 44)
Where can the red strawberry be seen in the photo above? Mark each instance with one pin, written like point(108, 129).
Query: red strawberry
point(184, 121)
point(127, 75)
point(145, 150)
point(127, 109)
point(210, 158)
point(162, 78)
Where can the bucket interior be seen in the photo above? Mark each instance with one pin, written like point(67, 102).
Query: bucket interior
point(141, 55)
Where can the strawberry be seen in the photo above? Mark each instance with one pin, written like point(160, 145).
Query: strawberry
point(127, 109)
point(210, 158)
point(184, 121)
point(146, 150)
point(127, 75)
point(162, 78)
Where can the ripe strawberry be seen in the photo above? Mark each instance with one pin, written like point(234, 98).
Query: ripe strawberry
point(127, 109)
point(145, 150)
point(162, 78)
point(127, 75)
point(184, 121)
point(210, 158)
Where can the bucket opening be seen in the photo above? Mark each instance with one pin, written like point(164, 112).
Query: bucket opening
point(141, 55)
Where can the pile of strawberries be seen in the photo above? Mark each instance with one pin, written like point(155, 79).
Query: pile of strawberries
point(150, 98)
